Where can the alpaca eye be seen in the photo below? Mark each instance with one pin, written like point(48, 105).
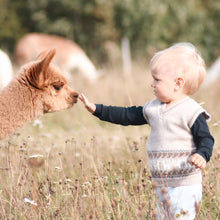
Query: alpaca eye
point(57, 87)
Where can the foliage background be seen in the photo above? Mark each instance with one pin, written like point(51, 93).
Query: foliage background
point(148, 24)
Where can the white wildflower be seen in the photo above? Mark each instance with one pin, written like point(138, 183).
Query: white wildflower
point(57, 168)
point(37, 123)
point(77, 154)
point(69, 181)
point(86, 184)
point(32, 202)
point(36, 156)
point(45, 135)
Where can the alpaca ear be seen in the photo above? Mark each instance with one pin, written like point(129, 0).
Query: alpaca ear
point(38, 74)
point(46, 53)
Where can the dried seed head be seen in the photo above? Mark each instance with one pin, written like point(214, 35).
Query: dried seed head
point(164, 190)
point(143, 204)
point(168, 203)
point(139, 213)
point(184, 212)
point(196, 207)
point(155, 213)
point(154, 185)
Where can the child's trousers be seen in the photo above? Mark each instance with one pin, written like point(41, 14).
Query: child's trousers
point(179, 203)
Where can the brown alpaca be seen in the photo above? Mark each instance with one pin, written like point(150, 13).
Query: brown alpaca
point(39, 88)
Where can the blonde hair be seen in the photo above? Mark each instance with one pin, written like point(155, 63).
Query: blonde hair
point(182, 59)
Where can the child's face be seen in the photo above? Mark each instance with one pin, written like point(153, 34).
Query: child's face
point(164, 86)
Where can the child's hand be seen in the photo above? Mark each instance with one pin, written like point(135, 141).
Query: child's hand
point(198, 161)
point(89, 106)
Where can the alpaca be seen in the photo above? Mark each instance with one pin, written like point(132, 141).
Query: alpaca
point(39, 88)
point(70, 57)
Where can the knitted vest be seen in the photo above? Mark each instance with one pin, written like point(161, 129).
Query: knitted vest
point(170, 143)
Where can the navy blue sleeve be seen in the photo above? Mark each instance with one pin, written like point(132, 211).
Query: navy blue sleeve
point(120, 115)
point(203, 139)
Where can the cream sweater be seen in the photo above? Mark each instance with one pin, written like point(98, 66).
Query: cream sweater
point(170, 143)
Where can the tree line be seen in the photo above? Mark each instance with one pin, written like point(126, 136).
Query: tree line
point(90, 23)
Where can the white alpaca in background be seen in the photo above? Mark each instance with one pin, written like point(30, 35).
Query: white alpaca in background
point(213, 73)
point(6, 70)
point(70, 57)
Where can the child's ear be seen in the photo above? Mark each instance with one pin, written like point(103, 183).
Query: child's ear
point(179, 83)
point(38, 73)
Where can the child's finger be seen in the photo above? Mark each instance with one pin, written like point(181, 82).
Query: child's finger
point(82, 98)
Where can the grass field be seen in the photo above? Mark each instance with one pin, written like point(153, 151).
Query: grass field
point(70, 165)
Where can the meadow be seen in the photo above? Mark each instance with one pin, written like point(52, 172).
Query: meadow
point(71, 165)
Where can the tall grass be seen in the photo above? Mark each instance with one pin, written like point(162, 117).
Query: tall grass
point(75, 166)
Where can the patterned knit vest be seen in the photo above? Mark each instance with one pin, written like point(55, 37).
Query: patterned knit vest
point(170, 142)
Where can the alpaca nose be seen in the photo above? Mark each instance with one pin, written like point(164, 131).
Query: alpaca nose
point(75, 95)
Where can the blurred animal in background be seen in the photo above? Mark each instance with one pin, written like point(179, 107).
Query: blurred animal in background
point(39, 88)
point(213, 73)
point(70, 57)
point(6, 69)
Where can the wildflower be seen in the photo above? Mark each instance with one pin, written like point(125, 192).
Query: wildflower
point(86, 184)
point(205, 171)
point(104, 177)
point(36, 156)
point(215, 124)
point(178, 215)
point(32, 202)
point(57, 168)
point(77, 154)
point(37, 123)
point(22, 149)
point(69, 180)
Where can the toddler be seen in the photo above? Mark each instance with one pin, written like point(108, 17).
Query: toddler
point(180, 143)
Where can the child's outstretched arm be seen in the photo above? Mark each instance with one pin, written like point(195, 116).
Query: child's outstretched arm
point(91, 107)
point(117, 115)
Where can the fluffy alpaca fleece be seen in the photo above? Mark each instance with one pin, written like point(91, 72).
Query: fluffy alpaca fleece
point(39, 88)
